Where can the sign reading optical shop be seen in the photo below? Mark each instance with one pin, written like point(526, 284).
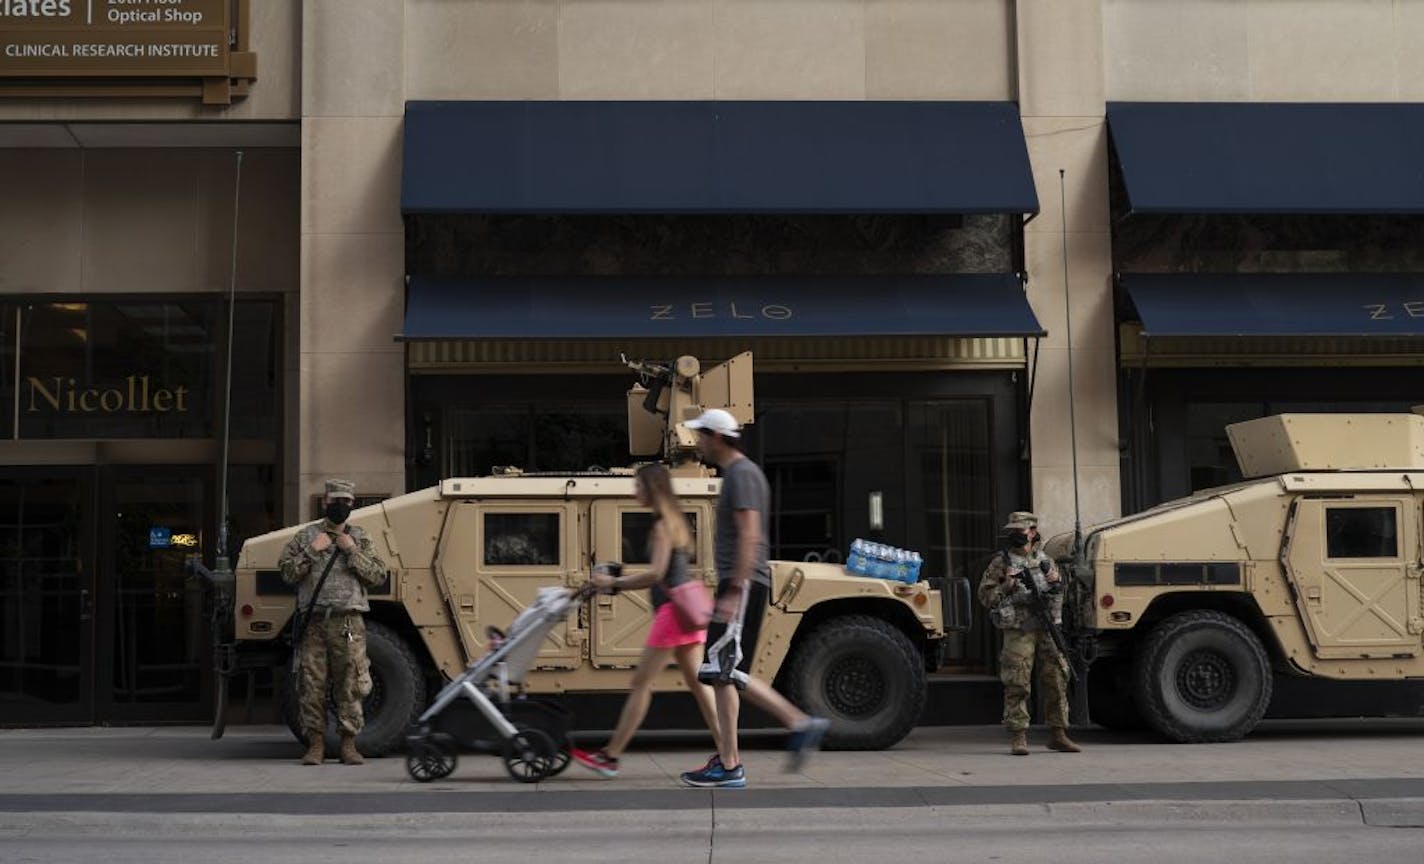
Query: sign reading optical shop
point(125, 47)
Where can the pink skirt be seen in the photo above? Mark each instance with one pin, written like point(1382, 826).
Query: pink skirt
point(666, 632)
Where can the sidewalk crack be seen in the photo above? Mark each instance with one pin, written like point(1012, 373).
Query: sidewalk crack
point(712, 828)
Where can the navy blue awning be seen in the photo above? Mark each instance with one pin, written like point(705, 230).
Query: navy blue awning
point(715, 157)
point(1270, 157)
point(1278, 304)
point(604, 307)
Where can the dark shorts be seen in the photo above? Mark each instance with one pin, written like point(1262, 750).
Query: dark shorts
point(730, 648)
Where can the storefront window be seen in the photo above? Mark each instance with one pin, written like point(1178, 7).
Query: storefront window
point(102, 370)
point(569, 438)
point(950, 449)
point(256, 373)
point(7, 371)
point(141, 369)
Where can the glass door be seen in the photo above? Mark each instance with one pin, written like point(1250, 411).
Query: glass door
point(156, 662)
point(46, 596)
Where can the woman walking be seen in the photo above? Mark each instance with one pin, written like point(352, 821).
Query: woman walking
point(671, 636)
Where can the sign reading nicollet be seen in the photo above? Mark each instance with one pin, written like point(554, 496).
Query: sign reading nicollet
point(136, 393)
point(87, 47)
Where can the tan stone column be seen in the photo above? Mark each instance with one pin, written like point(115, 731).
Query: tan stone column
point(1061, 97)
point(351, 402)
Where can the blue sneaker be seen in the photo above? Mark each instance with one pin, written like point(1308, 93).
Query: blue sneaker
point(806, 738)
point(715, 776)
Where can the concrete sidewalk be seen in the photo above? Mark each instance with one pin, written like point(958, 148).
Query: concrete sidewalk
point(1302, 760)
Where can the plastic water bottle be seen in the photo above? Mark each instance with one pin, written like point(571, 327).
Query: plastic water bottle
point(916, 562)
point(902, 565)
point(876, 564)
point(887, 562)
point(855, 562)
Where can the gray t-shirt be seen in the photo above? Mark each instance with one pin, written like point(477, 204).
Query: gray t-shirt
point(744, 487)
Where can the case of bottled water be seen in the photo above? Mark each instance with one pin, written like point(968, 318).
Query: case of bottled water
point(881, 561)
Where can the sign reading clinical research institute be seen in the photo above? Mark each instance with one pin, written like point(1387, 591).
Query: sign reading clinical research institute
point(126, 48)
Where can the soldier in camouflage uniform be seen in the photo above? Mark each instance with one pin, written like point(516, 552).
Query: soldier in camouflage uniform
point(1025, 640)
point(333, 647)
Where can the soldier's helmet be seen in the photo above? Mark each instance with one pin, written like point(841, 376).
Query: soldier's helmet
point(1030, 520)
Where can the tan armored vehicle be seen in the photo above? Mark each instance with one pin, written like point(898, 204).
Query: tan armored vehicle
point(1309, 567)
point(472, 552)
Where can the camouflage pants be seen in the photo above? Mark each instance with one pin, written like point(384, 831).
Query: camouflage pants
point(333, 650)
point(1016, 662)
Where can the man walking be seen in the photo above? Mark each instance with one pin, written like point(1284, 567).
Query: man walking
point(1026, 639)
point(333, 564)
point(743, 586)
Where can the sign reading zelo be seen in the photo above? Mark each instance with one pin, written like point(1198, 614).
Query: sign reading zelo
point(125, 47)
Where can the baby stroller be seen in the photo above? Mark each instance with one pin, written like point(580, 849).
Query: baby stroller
point(530, 735)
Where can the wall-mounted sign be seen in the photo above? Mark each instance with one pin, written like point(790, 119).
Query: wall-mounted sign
point(125, 47)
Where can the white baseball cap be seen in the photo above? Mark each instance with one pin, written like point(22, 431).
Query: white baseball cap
point(717, 420)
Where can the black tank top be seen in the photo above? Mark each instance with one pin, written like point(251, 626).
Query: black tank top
point(676, 575)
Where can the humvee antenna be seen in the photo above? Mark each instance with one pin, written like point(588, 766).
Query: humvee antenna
point(227, 385)
point(1068, 328)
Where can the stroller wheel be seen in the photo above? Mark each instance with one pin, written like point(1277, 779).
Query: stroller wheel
point(531, 755)
point(561, 759)
point(429, 758)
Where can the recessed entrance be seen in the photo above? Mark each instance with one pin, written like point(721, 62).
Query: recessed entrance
point(99, 622)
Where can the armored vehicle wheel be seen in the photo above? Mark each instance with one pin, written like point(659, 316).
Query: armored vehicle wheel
point(863, 674)
point(430, 758)
point(1110, 700)
point(1203, 676)
point(531, 755)
point(396, 700)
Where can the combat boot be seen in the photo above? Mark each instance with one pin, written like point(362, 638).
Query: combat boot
point(1061, 742)
point(316, 749)
point(349, 754)
point(1019, 745)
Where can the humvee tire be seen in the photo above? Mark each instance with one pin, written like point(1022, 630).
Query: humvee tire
point(864, 675)
point(1110, 699)
point(396, 701)
point(1203, 677)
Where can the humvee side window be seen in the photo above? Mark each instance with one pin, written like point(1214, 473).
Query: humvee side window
point(1361, 532)
point(514, 539)
point(635, 537)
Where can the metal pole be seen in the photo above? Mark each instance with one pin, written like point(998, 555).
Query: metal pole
point(227, 384)
point(1068, 328)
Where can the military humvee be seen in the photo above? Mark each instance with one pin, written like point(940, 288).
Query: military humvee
point(472, 552)
point(1309, 567)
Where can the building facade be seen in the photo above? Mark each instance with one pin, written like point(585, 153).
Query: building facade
point(123, 219)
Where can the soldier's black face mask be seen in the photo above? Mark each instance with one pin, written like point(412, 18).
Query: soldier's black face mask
point(1017, 539)
point(337, 511)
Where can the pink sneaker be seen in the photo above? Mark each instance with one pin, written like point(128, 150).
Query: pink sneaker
point(596, 761)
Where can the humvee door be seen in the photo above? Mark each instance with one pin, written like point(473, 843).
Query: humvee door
point(619, 623)
point(1354, 566)
point(492, 560)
